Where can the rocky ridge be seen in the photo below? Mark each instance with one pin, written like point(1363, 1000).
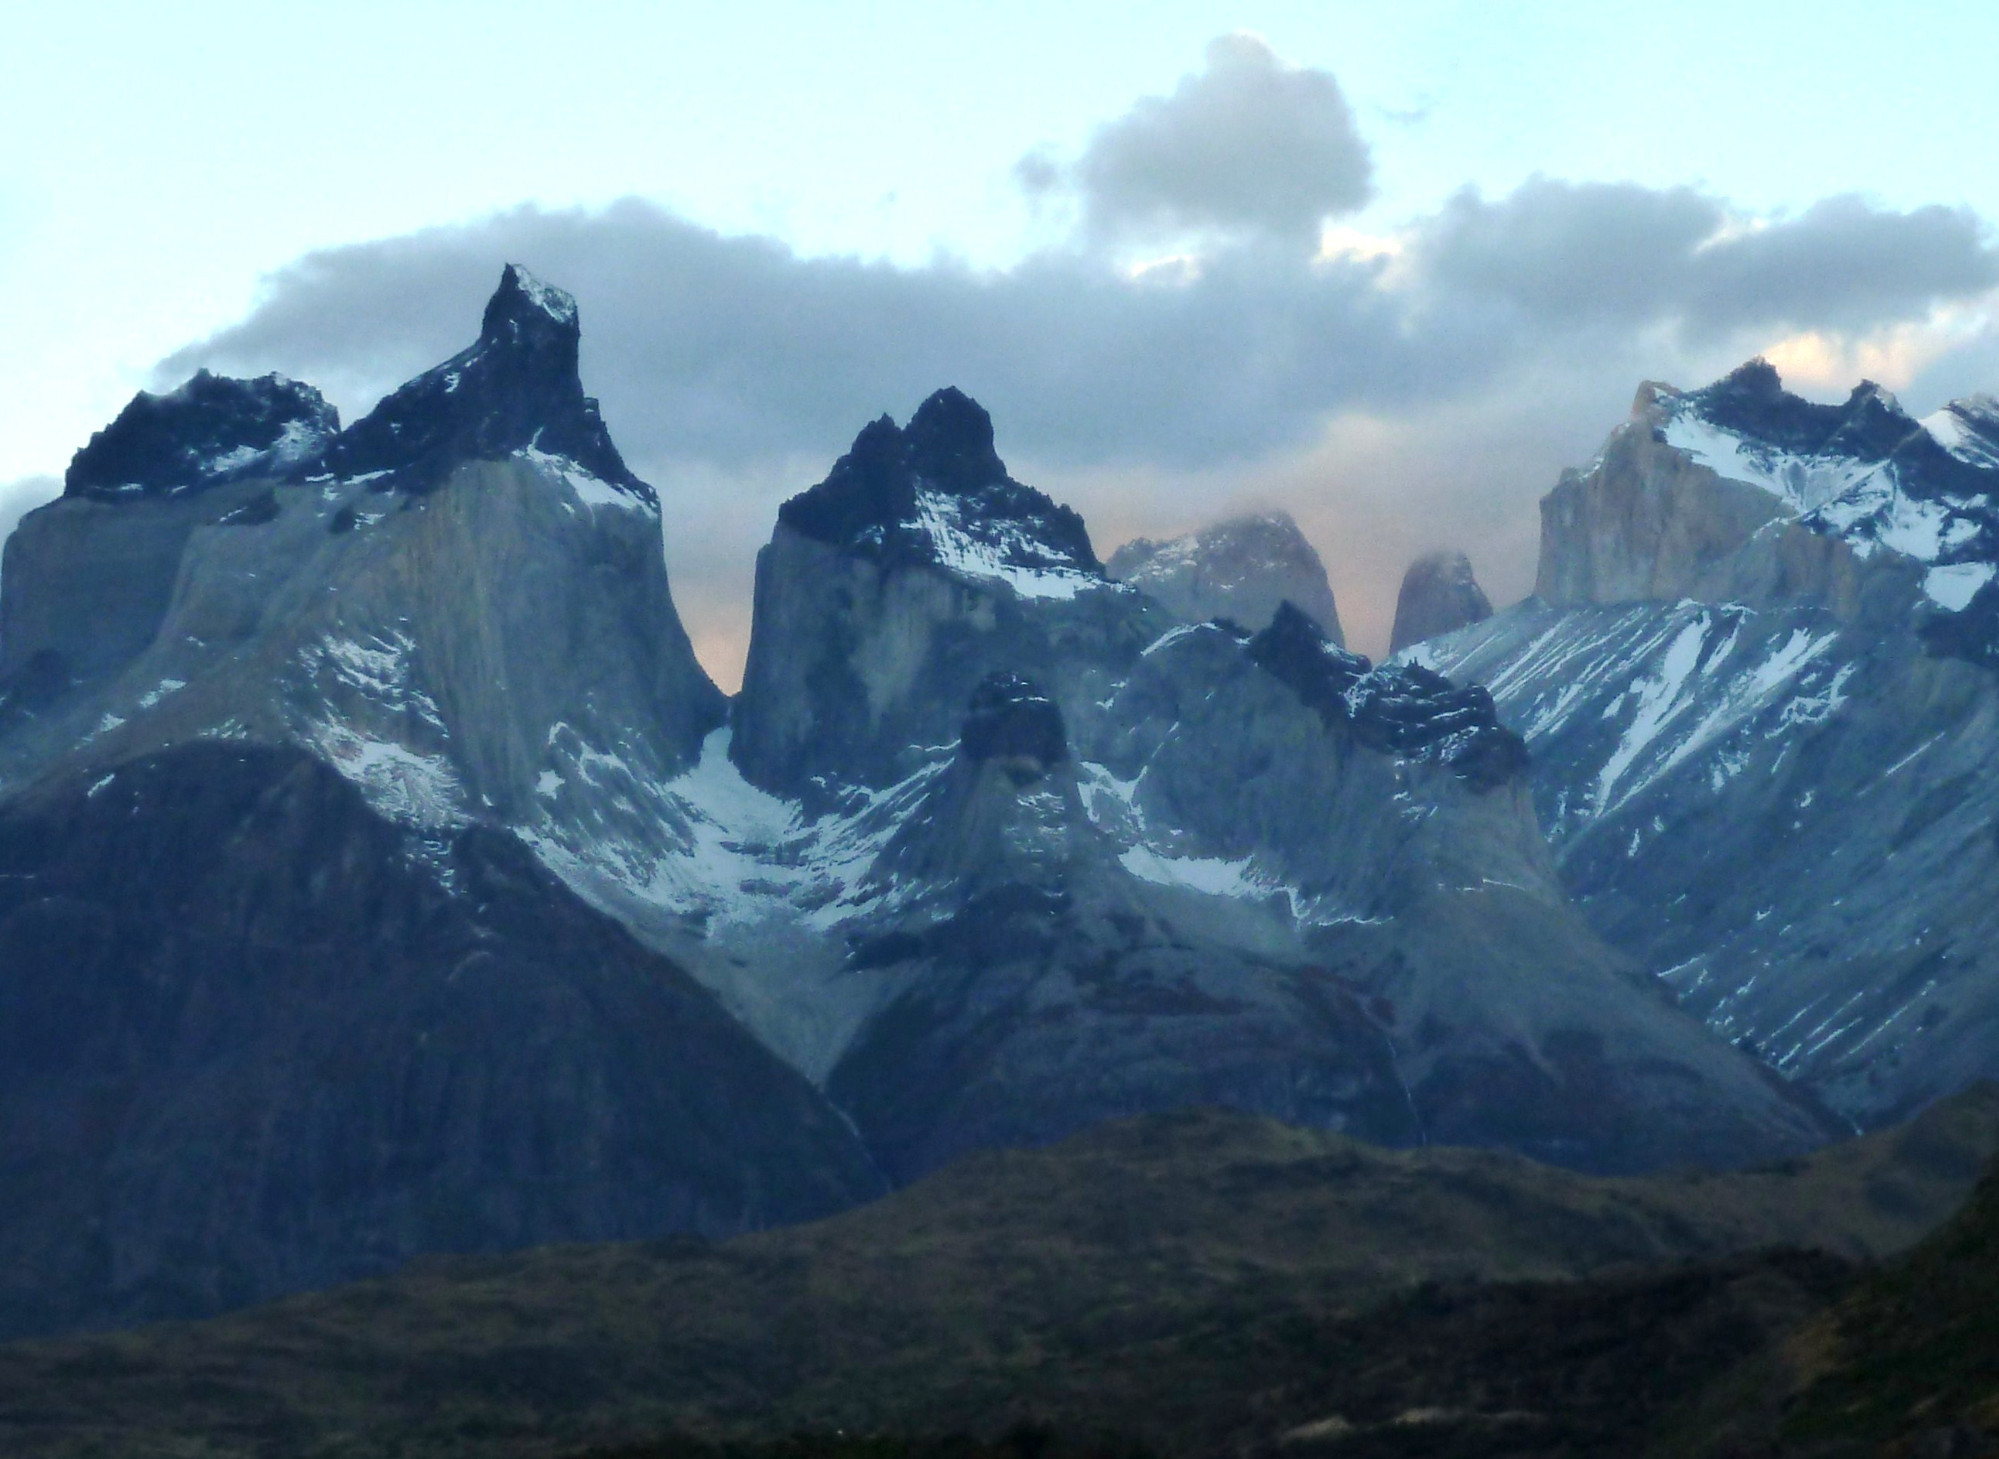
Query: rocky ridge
point(211, 430)
point(1202, 884)
point(514, 390)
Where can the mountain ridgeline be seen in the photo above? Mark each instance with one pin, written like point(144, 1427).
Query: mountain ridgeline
point(1756, 681)
point(381, 874)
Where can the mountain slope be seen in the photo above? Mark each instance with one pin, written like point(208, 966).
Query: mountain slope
point(990, 848)
point(295, 1001)
point(255, 1040)
point(1763, 738)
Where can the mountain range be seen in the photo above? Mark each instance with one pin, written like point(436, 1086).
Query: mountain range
point(381, 874)
point(1756, 684)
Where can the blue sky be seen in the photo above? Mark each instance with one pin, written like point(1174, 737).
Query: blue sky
point(169, 164)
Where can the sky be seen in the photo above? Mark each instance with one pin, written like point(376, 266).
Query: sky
point(1387, 268)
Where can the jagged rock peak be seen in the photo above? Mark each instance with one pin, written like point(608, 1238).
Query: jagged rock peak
point(211, 430)
point(1241, 569)
point(524, 301)
point(1862, 471)
point(1968, 429)
point(1010, 719)
point(1751, 401)
point(1402, 709)
point(1439, 595)
point(515, 389)
point(936, 492)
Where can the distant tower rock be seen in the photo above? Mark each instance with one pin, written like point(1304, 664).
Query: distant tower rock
point(1240, 569)
point(1439, 595)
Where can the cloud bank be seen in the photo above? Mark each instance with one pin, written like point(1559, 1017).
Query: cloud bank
point(1418, 391)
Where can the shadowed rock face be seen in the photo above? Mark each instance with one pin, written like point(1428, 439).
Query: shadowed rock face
point(211, 430)
point(1240, 569)
point(1439, 595)
point(1010, 719)
point(252, 1042)
point(1404, 709)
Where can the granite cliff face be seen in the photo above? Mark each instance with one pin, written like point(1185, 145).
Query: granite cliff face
point(458, 627)
point(1241, 569)
point(1439, 595)
point(279, 731)
point(1762, 729)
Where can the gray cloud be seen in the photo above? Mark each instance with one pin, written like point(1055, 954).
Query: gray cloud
point(1569, 251)
point(1390, 407)
point(735, 349)
point(1969, 367)
point(1246, 145)
point(1842, 264)
point(1618, 253)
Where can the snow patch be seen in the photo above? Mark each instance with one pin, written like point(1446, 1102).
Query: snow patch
point(557, 304)
point(996, 551)
point(1953, 586)
point(590, 491)
point(418, 790)
point(1209, 874)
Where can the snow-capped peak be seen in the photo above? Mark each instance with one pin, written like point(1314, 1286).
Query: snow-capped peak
point(1862, 471)
point(936, 492)
point(1968, 429)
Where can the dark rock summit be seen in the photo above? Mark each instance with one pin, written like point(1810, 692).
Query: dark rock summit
point(936, 490)
point(516, 388)
point(1240, 569)
point(1402, 709)
point(1439, 595)
point(893, 587)
point(1010, 719)
point(1869, 425)
point(213, 429)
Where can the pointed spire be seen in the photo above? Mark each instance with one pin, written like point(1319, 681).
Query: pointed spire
point(516, 388)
